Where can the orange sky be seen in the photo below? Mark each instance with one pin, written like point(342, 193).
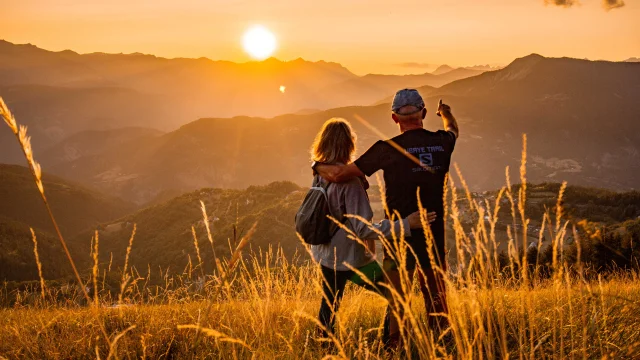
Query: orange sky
point(364, 35)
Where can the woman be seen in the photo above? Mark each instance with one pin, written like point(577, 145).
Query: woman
point(335, 144)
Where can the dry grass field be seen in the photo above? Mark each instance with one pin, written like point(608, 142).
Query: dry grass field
point(270, 315)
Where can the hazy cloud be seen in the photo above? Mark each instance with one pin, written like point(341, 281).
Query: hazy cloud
point(612, 4)
point(606, 4)
point(565, 3)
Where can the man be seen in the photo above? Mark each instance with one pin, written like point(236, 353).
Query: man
point(417, 158)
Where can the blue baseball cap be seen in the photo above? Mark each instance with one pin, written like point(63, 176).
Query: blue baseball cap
point(407, 97)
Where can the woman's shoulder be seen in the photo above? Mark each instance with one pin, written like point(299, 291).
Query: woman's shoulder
point(351, 185)
point(351, 182)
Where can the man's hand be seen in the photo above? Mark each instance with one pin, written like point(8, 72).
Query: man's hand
point(443, 108)
point(338, 173)
point(416, 223)
point(448, 120)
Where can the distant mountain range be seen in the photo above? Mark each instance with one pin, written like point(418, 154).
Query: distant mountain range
point(59, 94)
point(444, 69)
point(484, 67)
point(367, 90)
point(579, 117)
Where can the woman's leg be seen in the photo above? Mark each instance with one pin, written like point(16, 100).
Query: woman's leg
point(333, 284)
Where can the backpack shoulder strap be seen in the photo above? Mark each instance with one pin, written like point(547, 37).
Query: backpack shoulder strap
point(320, 186)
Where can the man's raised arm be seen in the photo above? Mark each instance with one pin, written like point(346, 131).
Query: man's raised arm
point(338, 173)
point(448, 120)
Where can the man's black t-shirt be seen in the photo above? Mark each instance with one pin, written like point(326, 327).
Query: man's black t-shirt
point(403, 176)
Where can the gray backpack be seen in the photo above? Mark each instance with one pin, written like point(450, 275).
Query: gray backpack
point(312, 218)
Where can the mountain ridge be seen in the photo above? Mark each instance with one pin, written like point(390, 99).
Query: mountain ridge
point(4, 45)
point(442, 69)
point(532, 95)
point(98, 91)
point(93, 142)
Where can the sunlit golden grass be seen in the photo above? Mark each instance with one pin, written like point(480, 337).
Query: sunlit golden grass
point(265, 305)
point(270, 323)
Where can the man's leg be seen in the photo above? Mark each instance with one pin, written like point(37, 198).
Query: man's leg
point(432, 286)
point(333, 284)
point(391, 330)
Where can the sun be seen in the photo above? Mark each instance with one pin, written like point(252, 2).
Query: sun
point(259, 42)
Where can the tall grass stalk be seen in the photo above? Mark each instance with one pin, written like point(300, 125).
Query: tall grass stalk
point(205, 219)
point(95, 269)
point(35, 252)
point(125, 275)
point(126, 257)
point(195, 244)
